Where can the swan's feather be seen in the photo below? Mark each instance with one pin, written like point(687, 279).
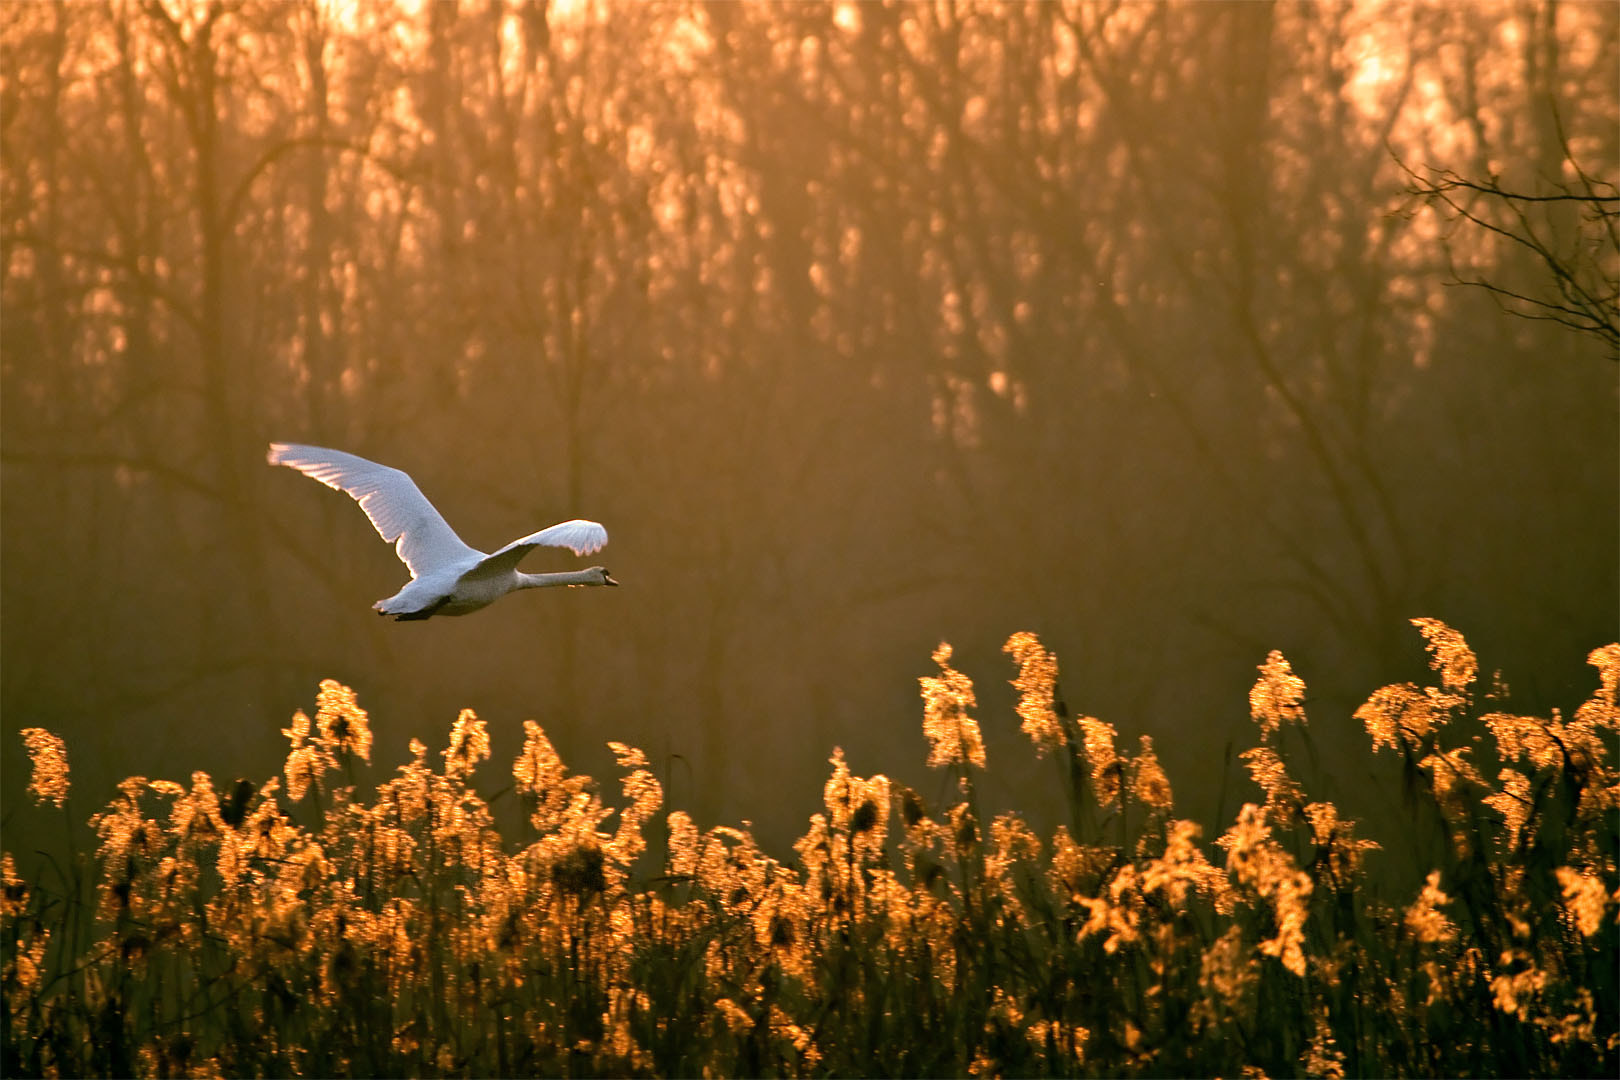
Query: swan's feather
point(580, 537)
point(402, 515)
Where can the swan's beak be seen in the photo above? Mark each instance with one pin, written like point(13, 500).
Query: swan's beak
point(607, 579)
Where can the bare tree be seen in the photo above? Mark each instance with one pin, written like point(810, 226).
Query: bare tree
point(1571, 230)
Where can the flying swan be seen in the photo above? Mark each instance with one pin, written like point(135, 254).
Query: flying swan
point(447, 576)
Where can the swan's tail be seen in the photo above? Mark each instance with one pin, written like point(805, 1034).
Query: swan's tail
point(404, 613)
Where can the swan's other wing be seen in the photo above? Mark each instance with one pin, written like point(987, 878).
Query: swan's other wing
point(402, 515)
point(580, 537)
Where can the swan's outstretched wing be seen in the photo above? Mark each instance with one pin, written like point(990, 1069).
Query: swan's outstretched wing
point(390, 498)
point(580, 537)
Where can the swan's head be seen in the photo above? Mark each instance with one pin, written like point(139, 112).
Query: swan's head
point(601, 575)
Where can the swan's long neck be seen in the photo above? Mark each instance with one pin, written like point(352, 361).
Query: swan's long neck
point(567, 577)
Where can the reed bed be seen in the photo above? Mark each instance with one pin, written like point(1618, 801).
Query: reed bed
point(306, 927)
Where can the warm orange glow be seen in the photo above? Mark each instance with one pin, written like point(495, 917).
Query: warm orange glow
point(872, 323)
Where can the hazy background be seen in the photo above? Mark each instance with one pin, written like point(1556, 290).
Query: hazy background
point(860, 328)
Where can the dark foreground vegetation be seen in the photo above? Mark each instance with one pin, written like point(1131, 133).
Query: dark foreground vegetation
point(307, 927)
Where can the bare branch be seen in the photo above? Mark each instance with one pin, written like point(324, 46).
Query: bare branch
point(1584, 290)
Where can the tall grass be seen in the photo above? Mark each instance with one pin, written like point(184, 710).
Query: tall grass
point(304, 927)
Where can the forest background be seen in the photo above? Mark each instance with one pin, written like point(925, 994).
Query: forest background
point(859, 326)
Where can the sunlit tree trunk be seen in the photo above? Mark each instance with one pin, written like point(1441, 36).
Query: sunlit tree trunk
point(322, 386)
point(231, 438)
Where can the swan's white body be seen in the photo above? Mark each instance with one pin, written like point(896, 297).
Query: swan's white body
point(447, 576)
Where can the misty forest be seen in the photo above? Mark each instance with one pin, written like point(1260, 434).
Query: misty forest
point(1116, 505)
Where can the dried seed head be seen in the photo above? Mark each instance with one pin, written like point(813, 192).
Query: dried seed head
point(233, 810)
point(49, 755)
point(580, 872)
point(911, 807)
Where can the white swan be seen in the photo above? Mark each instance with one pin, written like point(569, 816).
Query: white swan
point(447, 576)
